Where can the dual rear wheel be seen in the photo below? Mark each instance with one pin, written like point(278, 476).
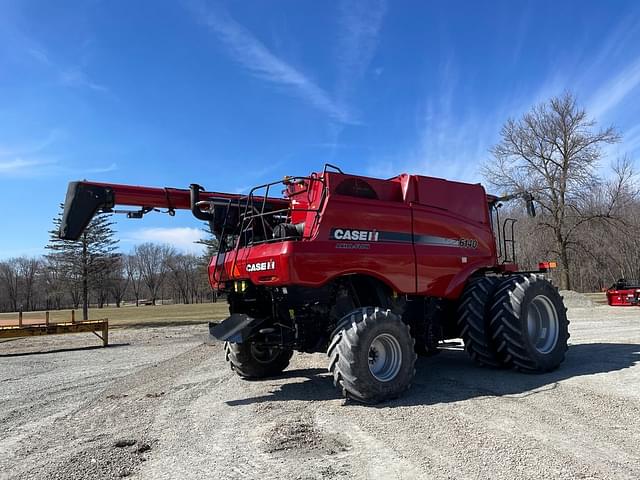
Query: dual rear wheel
point(518, 321)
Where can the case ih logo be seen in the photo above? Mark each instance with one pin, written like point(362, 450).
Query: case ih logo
point(354, 235)
point(261, 266)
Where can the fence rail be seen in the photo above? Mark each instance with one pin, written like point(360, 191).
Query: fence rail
point(28, 327)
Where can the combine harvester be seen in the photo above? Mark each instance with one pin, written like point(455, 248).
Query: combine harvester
point(369, 271)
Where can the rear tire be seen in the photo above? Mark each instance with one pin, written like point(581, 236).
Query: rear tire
point(371, 355)
point(473, 321)
point(252, 360)
point(529, 323)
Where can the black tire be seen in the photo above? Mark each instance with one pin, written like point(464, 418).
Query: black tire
point(252, 360)
point(363, 337)
point(473, 321)
point(529, 323)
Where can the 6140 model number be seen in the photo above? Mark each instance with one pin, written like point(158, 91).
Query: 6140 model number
point(468, 243)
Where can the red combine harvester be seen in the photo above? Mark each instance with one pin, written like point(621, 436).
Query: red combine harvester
point(370, 271)
point(624, 293)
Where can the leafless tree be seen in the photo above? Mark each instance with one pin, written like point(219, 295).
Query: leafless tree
point(134, 276)
point(52, 284)
point(9, 278)
point(118, 280)
point(153, 260)
point(18, 280)
point(184, 271)
point(553, 151)
point(28, 269)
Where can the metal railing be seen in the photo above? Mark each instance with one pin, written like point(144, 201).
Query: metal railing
point(257, 221)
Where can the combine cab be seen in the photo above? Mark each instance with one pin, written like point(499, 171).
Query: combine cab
point(370, 271)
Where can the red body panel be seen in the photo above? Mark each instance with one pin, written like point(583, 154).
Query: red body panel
point(432, 235)
point(624, 298)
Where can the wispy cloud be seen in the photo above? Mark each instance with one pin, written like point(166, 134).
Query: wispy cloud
point(40, 55)
point(77, 78)
point(360, 23)
point(452, 138)
point(452, 135)
point(252, 54)
point(183, 238)
point(37, 158)
point(359, 30)
point(46, 166)
point(21, 167)
point(108, 168)
point(615, 90)
point(29, 159)
point(34, 146)
point(631, 140)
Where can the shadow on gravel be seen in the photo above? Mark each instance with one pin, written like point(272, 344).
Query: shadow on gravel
point(317, 385)
point(452, 377)
point(60, 350)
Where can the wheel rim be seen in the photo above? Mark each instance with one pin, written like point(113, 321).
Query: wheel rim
point(542, 324)
point(385, 357)
point(263, 354)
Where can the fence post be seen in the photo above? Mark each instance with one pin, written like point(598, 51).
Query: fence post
point(46, 318)
point(73, 316)
point(105, 333)
point(20, 318)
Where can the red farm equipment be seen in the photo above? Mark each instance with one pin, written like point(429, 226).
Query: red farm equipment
point(624, 293)
point(370, 271)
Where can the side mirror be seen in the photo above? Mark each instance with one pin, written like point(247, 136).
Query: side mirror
point(531, 208)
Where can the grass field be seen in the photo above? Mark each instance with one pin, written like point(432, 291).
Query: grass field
point(143, 316)
point(131, 316)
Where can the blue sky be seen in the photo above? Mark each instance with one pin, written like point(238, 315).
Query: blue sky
point(233, 94)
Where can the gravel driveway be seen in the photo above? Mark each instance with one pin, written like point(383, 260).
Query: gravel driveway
point(161, 404)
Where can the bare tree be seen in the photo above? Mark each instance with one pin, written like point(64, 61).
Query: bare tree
point(9, 278)
point(134, 276)
point(553, 151)
point(28, 269)
point(52, 283)
point(153, 261)
point(118, 280)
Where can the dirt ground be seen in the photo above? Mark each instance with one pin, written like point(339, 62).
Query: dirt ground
point(161, 404)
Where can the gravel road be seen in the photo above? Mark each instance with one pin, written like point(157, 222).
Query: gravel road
point(161, 404)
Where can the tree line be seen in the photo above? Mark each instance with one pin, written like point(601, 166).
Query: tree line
point(92, 272)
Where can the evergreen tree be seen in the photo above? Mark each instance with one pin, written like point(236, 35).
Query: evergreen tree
point(209, 241)
point(212, 247)
point(85, 261)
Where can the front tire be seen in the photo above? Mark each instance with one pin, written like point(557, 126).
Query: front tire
point(371, 355)
point(252, 360)
point(529, 323)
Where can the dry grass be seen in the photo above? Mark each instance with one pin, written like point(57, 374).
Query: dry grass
point(143, 316)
